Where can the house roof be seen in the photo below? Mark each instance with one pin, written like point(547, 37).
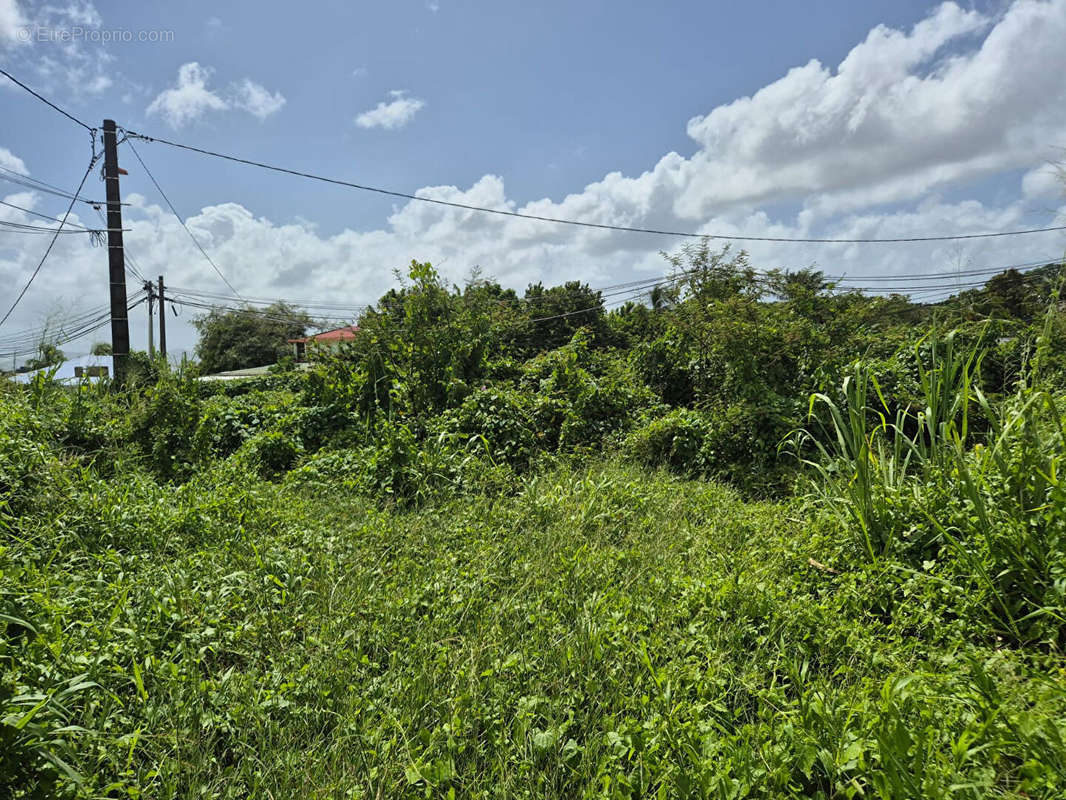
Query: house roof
point(344, 334)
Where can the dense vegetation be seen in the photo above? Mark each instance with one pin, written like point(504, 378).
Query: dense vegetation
point(757, 539)
point(231, 340)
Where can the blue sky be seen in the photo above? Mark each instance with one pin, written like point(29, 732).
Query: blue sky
point(808, 119)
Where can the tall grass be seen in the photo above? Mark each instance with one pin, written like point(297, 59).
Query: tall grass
point(920, 483)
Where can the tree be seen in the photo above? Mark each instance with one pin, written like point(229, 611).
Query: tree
point(551, 316)
point(48, 355)
point(1009, 295)
point(101, 349)
point(247, 337)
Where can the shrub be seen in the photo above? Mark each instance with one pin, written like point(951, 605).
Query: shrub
point(502, 419)
point(917, 488)
point(227, 422)
point(163, 423)
point(338, 468)
point(581, 396)
point(674, 440)
point(270, 453)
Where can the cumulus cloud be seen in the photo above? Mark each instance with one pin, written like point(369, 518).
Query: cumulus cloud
point(866, 149)
point(391, 114)
point(257, 100)
point(191, 98)
point(9, 160)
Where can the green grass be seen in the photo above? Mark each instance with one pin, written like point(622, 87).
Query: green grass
point(605, 632)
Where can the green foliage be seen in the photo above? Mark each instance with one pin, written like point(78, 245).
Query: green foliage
point(502, 419)
point(270, 454)
point(249, 337)
point(921, 486)
point(467, 556)
point(226, 423)
point(48, 355)
point(417, 353)
point(163, 424)
point(674, 440)
point(559, 311)
point(606, 631)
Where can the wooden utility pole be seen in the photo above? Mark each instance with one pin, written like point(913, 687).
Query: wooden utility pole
point(120, 324)
point(162, 321)
point(151, 320)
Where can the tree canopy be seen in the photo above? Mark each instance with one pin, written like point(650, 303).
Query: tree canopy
point(248, 337)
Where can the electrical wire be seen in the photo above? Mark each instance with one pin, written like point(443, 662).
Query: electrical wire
point(182, 221)
point(73, 328)
point(21, 227)
point(55, 236)
point(619, 295)
point(581, 223)
point(39, 214)
point(127, 258)
point(62, 324)
point(47, 102)
point(38, 185)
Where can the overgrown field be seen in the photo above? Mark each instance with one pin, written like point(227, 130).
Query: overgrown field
point(714, 549)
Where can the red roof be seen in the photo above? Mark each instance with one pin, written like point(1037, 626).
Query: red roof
point(344, 334)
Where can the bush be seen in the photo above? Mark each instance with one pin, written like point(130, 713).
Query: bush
point(581, 396)
point(227, 422)
point(270, 454)
point(674, 440)
point(163, 423)
point(502, 418)
point(918, 488)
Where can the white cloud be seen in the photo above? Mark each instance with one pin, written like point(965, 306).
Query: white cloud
point(9, 160)
point(189, 99)
point(391, 114)
point(29, 38)
point(12, 22)
point(360, 72)
point(862, 150)
point(1044, 182)
point(257, 100)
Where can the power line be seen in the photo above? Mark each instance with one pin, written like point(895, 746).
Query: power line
point(54, 330)
point(131, 266)
point(73, 328)
point(47, 102)
point(580, 223)
point(182, 221)
point(37, 185)
point(627, 291)
point(55, 236)
point(944, 276)
point(39, 214)
point(25, 227)
point(182, 299)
